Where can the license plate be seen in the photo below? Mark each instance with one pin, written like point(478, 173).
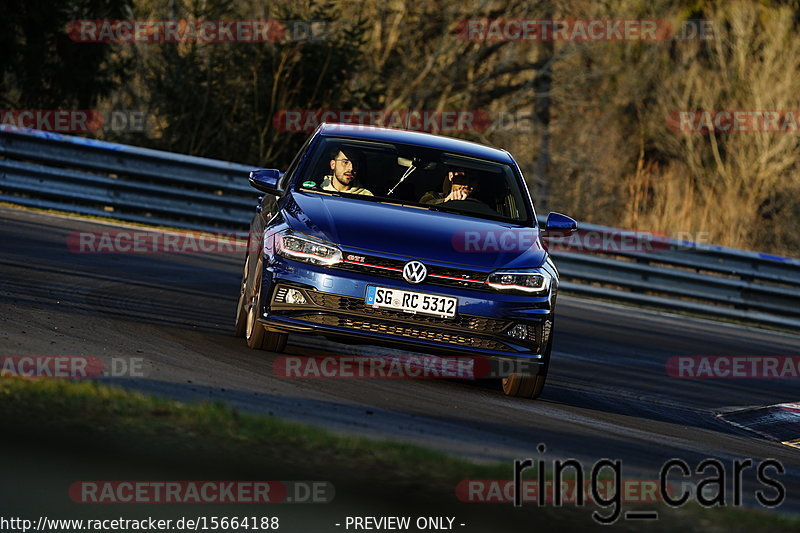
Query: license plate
point(411, 302)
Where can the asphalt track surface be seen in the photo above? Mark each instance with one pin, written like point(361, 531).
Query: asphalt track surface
point(608, 393)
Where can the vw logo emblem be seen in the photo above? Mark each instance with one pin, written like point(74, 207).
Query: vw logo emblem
point(414, 272)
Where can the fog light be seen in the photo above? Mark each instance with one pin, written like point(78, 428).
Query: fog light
point(523, 332)
point(295, 297)
point(518, 332)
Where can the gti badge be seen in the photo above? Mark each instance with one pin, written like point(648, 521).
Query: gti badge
point(414, 272)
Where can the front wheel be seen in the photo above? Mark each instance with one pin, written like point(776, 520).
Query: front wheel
point(257, 337)
point(528, 386)
point(274, 342)
point(240, 328)
point(523, 385)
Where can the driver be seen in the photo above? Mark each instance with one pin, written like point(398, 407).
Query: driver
point(345, 171)
point(461, 184)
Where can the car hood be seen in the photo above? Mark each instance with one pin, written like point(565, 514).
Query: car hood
point(373, 228)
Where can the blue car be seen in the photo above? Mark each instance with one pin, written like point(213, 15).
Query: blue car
point(405, 239)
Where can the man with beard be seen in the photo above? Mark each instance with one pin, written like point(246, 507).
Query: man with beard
point(345, 171)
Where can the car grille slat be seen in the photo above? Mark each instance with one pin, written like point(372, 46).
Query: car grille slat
point(347, 304)
point(403, 330)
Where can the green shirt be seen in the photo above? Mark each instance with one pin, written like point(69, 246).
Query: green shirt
point(327, 185)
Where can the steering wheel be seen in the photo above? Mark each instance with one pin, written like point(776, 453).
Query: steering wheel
point(470, 205)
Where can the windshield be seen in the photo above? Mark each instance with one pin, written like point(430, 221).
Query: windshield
point(415, 175)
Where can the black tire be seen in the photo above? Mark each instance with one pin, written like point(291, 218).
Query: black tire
point(527, 385)
point(240, 328)
point(523, 385)
point(254, 332)
point(257, 337)
point(274, 342)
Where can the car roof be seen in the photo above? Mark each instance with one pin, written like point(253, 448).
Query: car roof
point(448, 144)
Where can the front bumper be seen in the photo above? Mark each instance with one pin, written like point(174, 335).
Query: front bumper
point(334, 306)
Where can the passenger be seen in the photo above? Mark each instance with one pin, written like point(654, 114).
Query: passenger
point(461, 186)
point(345, 174)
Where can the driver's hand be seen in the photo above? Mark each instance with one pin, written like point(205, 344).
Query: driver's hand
point(457, 195)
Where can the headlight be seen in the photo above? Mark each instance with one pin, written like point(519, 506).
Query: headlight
point(304, 248)
point(531, 281)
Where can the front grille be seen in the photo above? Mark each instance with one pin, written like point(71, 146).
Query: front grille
point(371, 269)
point(347, 304)
point(442, 276)
point(402, 330)
point(450, 277)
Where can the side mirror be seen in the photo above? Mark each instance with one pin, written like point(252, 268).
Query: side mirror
point(266, 180)
point(558, 222)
